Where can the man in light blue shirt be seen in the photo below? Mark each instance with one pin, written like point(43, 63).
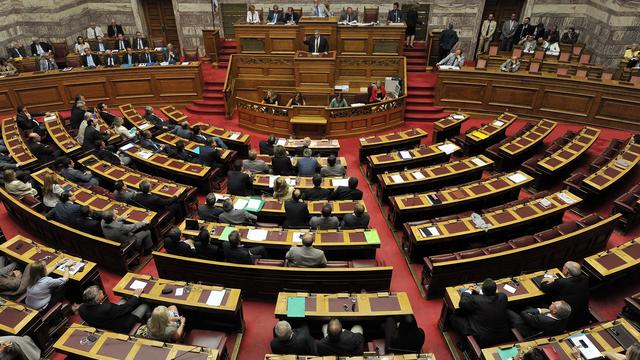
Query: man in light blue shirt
point(307, 166)
point(320, 10)
point(89, 60)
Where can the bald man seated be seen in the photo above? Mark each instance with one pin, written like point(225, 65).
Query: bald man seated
point(572, 288)
point(536, 322)
point(292, 341)
point(340, 342)
point(306, 255)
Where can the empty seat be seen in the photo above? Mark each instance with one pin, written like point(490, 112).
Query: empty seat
point(627, 201)
point(363, 263)
point(270, 262)
point(567, 228)
point(574, 181)
point(589, 220)
point(494, 249)
point(441, 258)
point(522, 241)
point(466, 254)
point(337, 264)
point(570, 135)
point(547, 235)
point(207, 338)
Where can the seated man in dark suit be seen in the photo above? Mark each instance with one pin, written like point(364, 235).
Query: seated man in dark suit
point(296, 211)
point(154, 119)
point(266, 146)
point(106, 153)
point(43, 152)
point(325, 221)
point(307, 165)
point(65, 211)
point(90, 60)
point(572, 288)
point(209, 211)
point(306, 143)
point(358, 220)
point(350, 192)
point(235, 252)
point(209, 155)
point(291, 17)
point(92, 135)
point(139, 42)
point(239, 182)
point(27, 120)
point(317, 43)
point(100, 46)
point(183, 130)
point(74, 175)
point(130, 58)
point(78, 112)
point(290, 341)
point(103, 111)
point(275, 15)
point(543, 322)
point(114, 29)
point(174, 244)
point(483, 315)
point(155, 202)
point(88, 221)
point(121, 44)
point(316, 192)
point(395, 15)
point(122, 193)
point(341, 342)
point(180, 153)
point(109, 316)
point(205, 249)
point(147, 57)
point(148, 143)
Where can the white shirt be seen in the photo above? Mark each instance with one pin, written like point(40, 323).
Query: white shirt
point(39, 49)
point(93, 33)
point(90, 62)
point(140, 44)
point(253, 17)
point(101, 47)
point(121, 45)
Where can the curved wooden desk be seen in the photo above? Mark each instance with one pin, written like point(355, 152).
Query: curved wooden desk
point(611, 104)
point(56, 90)
point(336, 122)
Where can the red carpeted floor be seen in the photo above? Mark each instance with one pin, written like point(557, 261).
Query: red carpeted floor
point(259, 315)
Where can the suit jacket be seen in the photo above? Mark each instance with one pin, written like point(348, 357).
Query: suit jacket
point(346, 193)
point(291, 17)
point(448, 38)
point(277, 16)
point(523, 30)
point(155, 120)
point(265, 147)
point(569, 38)
point(116, 44)
point(255, 166)
point(323, 45)
point(321, 11)
point(171, 58)
point(282, 166)
point(452, 60)
point(147, 57)
point(509, 30)
point(119, 231)
point(65, 213)
point(316, 193)
point(113, 31)
point(552, 36)
point(300, 343)
point(302, 256)
point(77, 115)
point(96, 47)
point(349, 18)
point(239, 255)
point(487, 316)
point(149, 144)
point(109, 157)
point(153, 202)
point(395, 16)
point(546, 324)
point(185, 133)
point(488, 28)
point(76, 176)
point(115, 60)
point(43, 152)
point(351, 221)
point(17, 53)
point(347, 344)
point(209, 213)
point(109, 316)
point(209, 156)
point(324, 223)
point(45, 46)
point(107, 117)
point(136, 43)
point(88, 225)
point(25, 123)
point(91, 135)
point(47, 64)
point(296, 213)
point(237, 217)
point(307, 166)
point(134, 59)
point(575, 291)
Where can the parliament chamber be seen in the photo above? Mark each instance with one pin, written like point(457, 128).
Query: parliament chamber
point(320, 181)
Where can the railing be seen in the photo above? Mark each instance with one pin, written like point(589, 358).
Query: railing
point(228, 89)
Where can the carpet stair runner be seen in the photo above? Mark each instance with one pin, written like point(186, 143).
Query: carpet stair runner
point(421, 96)
point(416, 57)
point(212, 102)
point(228, 48)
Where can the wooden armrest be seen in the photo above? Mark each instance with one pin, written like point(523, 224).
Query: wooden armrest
point(596, 316)
point(52, 310)
point(475, 347)
point(134, 329)
point(517, 334)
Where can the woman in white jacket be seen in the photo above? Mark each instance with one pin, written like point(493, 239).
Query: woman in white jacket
point(121, 130)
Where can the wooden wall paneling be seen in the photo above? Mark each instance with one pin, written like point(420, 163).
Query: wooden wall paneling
point(464, 92)
point(48, 95)
point(512, 96)
point(96, 90)
point(126, 88)
point(558, 101)
point(6, 103)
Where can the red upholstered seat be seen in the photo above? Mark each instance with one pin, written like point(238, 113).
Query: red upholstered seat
point(589, 220)
point(337, 264)
point(522, 241)
point(270, 262)
point(362, 263)
point(547, 235)
point(207, 338)
point(567, 228)
point(467, 254)
point(494, 249)
point(377, 346)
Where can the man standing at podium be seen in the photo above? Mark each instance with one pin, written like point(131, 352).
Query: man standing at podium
point(317, 43)
point(319, 9)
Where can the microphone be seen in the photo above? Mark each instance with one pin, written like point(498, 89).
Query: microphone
point(202, 348)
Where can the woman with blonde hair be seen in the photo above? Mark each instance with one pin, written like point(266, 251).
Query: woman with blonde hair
point(41, 288)
point(120, 129)
point(51, 190)
point(165, 324)
point(281, 190)
point(16, 187)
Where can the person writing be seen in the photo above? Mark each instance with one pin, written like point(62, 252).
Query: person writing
point(338, 101)
point(511, 65)
point(41, 288)
point(455, 59)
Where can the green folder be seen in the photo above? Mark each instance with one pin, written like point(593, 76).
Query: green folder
point(256, 208)
point(508, 354)
point(372, 237)
point(224, 235)
point(295, 306)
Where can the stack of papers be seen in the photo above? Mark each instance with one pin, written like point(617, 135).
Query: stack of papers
point(137, 284)
point(429, 231)
point(508, 353)
point(297, 237)
point(257, 234)
point(566, 198)
point(418, 175)
point(497, 123)
point(295, 306)
point(372, 237)
point(272, 180)
point(517, 178)
point(50, 118)
point(164, 63)
point(458, 117)
point(510, 289)
point(339, 182)
point(145, 154)
point(404, 154)
point(220, 198)
point(224, 235)
point(240, 204)
point(126, 147)
point(397, 179)
point(254, 205)
point(478, 162)
point(448, 148)
point(185, 63)
point(587, 349)
point(234, 136)
point(215, 297)
point(281, 141)
point(545, 202)
point(479, 134)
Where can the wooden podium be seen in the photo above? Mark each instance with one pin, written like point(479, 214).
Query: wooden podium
point(326, 26)
point(315, 70)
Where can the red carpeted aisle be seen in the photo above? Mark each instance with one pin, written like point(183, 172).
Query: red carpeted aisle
point(259, 315)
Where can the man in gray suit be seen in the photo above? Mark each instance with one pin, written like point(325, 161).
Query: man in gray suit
point(326, 221)
point(306, 255)
point(235, 216)
point(509, 28)
point(115, 229)
point(47, 62)
point(255, 165)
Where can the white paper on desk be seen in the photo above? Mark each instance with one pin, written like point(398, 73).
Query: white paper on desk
point(405, 154)
point(566, 198)
point(50, 118)
point(517, 178)
point(291, 181)
point(426, 197)
point(220, 197)
point(257, 234)
point(281, 142)
point(73, 267)
point(448, 148)
point(497, 123)
point(215, 297)
point(458, 117)
point(510, 289)
point(358, 104)
point(433, 230)
point(240, 204)
point(590, 351)
point(145, 154)
point(234, 136)
point(272, 180)
point(254, 203)
point(127, 147)
point(443, 67)
point(137, 284)
point(145, 126)
point(478, 162)
point(397, 179)
point(185, 63)
point(297, 237)
point(418, 175)
point(339, 182)
point(179, 291)
point(164, 63)
point(142, 65)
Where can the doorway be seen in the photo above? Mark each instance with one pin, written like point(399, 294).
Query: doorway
point(501, 10)
point(423, 17)
point(161, 21)
point(231, 14)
